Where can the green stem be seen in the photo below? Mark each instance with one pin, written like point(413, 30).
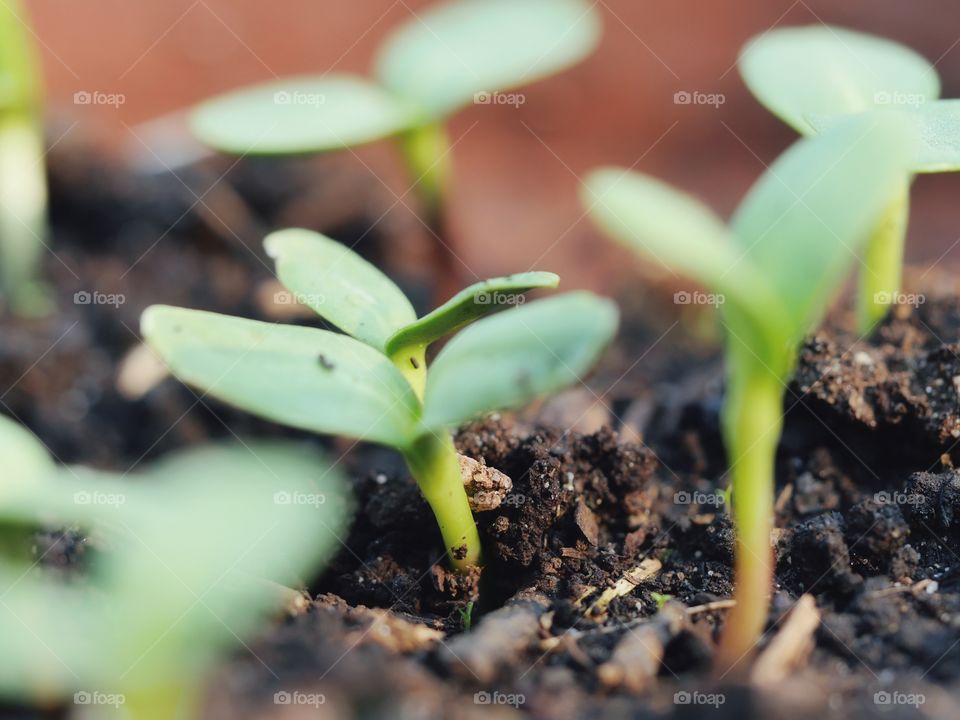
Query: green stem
point(434, 464)
point(23, 185)
point(427, 153)
point(880, 278)
point(172, 701)
point(752, 424)
point(412, 364)
point(23, 223)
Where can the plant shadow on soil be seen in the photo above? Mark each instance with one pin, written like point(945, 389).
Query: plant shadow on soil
point(868, 506)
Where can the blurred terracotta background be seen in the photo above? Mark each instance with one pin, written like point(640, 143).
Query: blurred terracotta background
point(515, 199)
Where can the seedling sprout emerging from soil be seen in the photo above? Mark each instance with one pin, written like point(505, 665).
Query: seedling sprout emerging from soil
point(445, 58)
point(810, 76)
point(183, 563)
point(373, 383)
point(23, 184)
point(784, 253)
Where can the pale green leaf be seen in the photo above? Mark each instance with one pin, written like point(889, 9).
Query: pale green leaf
point(167, 596)
point(806, 220)
point(680, 234)
point(468, 305)
point(798, 72)
point(507, 360)
point(446, 55)
point(339, 285)
point(303, 377)
point(301, 115)
point(26, 461)
point(938, 129)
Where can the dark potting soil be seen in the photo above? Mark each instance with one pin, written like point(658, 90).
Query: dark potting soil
point(868, 518)
point(608, 565)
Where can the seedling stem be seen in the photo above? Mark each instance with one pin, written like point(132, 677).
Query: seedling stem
point(879, 281)
point(432, 460)
point(752, 422)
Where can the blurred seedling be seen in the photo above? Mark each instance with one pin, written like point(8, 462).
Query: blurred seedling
point(777, 264)
point(188, 558)
point(441, 60)
point(372, 383)
point(23, 182)
point(811, 76)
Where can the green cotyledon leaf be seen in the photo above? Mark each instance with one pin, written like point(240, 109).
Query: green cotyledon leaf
point(301, 115)
point(937, 126)
point(339, 285)
point(466, 306)
point(806, 220)
point(680, 233)
point(509, 359)
point(161, 604)
point(443, 57)
point(798, 72)
point(303, 377)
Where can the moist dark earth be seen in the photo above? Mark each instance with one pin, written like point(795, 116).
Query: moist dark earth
point(608, 566)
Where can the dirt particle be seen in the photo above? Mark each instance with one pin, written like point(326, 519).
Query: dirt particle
point(414, 363)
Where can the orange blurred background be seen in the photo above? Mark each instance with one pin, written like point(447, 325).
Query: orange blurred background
point(516, 169)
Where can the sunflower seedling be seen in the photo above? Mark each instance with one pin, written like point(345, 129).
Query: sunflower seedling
point(186, 561)
point(784, 253)
point(811, 76)
point(372, 383)
point(445, 58)
point(23, 183)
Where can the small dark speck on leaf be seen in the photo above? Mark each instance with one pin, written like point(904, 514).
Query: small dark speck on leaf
point(324, 363)
point(416, 365)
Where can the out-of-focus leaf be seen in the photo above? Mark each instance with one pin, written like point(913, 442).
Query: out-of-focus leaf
point(446, 55)
point(507, 360)
point(303, 377)
point(938, 134)
point(26, 461)
point(301, 115)
point(806, 220)
point(798, 72)
point(183, 574)
point(339, 285)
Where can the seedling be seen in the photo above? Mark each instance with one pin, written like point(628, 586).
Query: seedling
point(443, 59)
point(784, 254)
point(187, 562)
point(810, 76)
point(372, 383)
point(23, 184)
